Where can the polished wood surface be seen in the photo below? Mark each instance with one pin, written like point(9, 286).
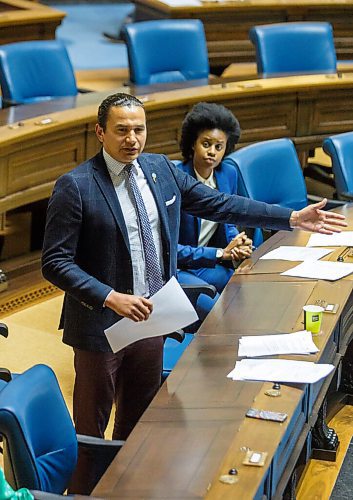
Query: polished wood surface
point(40, 142)
point(22, 20)
point(227, 23)
point(195, 429)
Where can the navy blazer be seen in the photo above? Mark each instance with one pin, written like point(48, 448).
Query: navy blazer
point(190, 255)
point(86, 247)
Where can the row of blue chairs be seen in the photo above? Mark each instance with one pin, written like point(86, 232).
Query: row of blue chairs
point(162, 51)
point(182, 50)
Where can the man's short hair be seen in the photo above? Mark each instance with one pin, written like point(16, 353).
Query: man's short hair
point(208, 116)
point(120, 99)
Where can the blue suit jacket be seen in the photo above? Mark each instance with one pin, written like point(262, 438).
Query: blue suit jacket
point(86, 247)
point(190, 255)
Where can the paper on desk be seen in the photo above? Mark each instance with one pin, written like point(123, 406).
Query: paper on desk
point(279, 370)
point(182, 3)
point(296, 253)
point(321, 270)
point(268, 345)
point(172, 310)
point(343, 239)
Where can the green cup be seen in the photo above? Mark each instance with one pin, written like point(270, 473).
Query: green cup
point(313, 318)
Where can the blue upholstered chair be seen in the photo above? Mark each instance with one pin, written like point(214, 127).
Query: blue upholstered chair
point(40, 443)
point(167, 50)
point(340, 148)
point(294, 48)
point(35, 71)
point(270, 171)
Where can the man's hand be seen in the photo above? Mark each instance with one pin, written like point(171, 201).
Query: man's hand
point(312, 218)
point(130, 306)
point(239, 248)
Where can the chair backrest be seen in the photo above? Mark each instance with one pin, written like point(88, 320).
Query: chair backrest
point(270, 171)
point(167, 50)
point(40, 445)
point(294, 48)
point(340, 148)
point(35, 71)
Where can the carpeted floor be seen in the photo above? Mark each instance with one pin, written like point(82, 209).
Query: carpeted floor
point(82, 32)
point(343, 489)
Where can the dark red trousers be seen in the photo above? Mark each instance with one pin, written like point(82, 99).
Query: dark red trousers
point(130, 379)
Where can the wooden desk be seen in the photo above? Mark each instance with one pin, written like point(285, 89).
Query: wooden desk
point(227, 23)
point(195, 429)
point(22, 20)
point(33, 154)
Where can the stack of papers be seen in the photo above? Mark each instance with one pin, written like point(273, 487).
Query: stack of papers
point(320, 270)
point(293, 253)
point(343, 239)
point(286, 343)
point(279, 370)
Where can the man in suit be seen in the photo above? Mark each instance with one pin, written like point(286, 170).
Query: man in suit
point(93, 250)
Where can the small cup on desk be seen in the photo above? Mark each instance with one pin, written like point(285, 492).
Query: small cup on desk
point(313, 318)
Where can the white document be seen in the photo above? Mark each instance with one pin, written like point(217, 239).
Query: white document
point(320, 270)
point(268, 345)
point(343, 239)
point(279, 370)
point(182, 3)
point(296, 253)
point(172, 310)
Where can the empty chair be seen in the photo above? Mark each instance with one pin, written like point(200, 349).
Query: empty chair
point(340, 148)
point(167, 50)
point(294, 48)
point(35, 71)
point(270, 171)
point(40, 443)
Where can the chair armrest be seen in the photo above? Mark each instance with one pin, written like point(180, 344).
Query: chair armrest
point(98, 453)
point(330, 202)
point(177, 335)
point(81, 90)
point(345, 196)
point(194, 291)
point(99, 443)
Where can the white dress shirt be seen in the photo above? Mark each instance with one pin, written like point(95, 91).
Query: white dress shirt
point(122, 190)
point(208, 228)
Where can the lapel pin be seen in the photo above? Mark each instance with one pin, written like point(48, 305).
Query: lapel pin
point(154, 177)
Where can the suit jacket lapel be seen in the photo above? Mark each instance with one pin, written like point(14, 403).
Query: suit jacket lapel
point(151, 174)
point(106, 186)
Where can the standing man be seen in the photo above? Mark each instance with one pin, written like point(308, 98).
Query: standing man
point(111, 242)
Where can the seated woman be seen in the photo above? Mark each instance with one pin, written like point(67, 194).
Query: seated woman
point(208, 250)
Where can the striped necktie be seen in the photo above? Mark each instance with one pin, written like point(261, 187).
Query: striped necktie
point(153, 269)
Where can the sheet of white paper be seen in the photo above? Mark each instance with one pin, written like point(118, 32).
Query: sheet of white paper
point(321, 270)
point(343, 239)
point(279, 370)
point(182, 3)
point(296, 253)
point(172, 310)
point(268, 345)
